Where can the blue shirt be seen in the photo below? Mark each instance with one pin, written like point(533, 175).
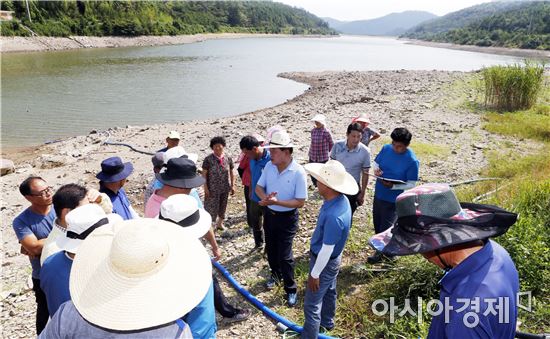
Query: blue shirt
point(256, 170)
point(202, 318)
point(29, 223)
point(486, 276)
point(354, 160)
point(291, 183)
point(68, 323)
point(121, 204)
point(54, 280)
point(333, 225)
point(401, 166)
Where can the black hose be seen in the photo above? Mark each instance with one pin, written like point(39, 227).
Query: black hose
point(522, 335)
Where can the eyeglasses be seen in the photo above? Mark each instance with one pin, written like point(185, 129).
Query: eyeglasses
point(44, 193)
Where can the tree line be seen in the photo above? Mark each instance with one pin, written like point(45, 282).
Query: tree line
point(133, 18)
point(527, 25)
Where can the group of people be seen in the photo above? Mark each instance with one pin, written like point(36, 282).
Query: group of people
point(100, 270)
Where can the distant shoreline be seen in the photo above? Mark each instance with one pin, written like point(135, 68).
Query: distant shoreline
point(43, 44)
point(528, 53)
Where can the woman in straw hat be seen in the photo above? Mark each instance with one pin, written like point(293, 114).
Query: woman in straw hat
point(126, 282)
point(321, 141)
point(327, 244)
point(480, 275)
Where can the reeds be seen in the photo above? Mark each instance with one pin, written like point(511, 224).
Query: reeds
point(513, 87)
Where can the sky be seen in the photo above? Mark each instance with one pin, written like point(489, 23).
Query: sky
point(349, 10)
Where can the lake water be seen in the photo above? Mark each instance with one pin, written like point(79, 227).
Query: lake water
point(50, 95)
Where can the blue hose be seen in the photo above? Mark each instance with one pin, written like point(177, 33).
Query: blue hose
point(258, 304)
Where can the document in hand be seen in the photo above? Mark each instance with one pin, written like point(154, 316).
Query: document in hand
point(395, 181)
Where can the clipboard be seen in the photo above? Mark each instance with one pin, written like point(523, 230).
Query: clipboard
point(395, 181)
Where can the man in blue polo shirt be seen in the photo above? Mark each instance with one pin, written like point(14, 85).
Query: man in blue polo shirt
point(327, 244)
point(259, 157)
point(32, 227)
point(282, 187)
point(395, 161)
point(479, 290)
point(356, 159)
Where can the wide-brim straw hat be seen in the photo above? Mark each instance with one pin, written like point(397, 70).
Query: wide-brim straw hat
point(334, 175)
point(280, 139)
point(138, 274)
point(81, 222)
point(183, 210)
point(431, 218)
point(362, 118)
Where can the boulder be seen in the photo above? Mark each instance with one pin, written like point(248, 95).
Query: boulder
point(6, 166)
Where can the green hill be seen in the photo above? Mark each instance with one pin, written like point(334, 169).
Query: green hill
point(502, 24)
point(132, 18)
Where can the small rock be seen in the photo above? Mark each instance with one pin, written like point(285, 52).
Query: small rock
point(6, 167)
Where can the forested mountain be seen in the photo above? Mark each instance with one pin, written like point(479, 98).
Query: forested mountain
point(132, 18)
point(516, 24)
point(391, 24)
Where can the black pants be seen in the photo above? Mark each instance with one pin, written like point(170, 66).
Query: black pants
point(254, 218)
point(224, 308)
point(383, 215)
point(280, 229)
point(42, 313)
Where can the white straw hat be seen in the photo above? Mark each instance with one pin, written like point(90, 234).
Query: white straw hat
point(178, 152)
point(138, 274)
point(183, 210)
point(81, 222)
point(333, 174)
point(280, 139)
point(173, 135)
point(320, 118)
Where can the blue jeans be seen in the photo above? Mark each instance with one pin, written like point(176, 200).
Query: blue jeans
point(383, 215)
point(320, 306)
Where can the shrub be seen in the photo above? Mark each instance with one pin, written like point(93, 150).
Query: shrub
point(513, 87)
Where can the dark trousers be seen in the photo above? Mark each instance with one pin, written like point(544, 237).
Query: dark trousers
point(247, 202)
point(42, 313)
point(224, 308)
point(280, 229)
point(383, 215)
point(257, 219)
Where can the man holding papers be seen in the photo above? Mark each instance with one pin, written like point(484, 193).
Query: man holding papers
point(395, 169)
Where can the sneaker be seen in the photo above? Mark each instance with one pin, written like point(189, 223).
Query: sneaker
point(292, 299)
point(239, 316)
point(325, 329)
point(270, 284)
point(375, 258)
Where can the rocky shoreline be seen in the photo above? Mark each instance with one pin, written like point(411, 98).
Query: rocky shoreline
point(42, 44)
point(449, 140)
point(518, 52)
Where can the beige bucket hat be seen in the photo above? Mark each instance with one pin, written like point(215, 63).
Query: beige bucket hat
point(183, 210)
point(138, 274)
point(333, 174)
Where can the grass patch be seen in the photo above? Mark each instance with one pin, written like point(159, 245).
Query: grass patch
point(513, 87)
point(525, 189)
